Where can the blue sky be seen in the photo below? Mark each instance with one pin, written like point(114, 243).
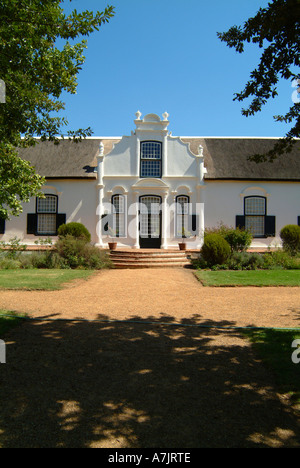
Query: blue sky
point(164, 55)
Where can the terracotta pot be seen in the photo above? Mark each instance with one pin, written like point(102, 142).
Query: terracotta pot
point(182, 246)
point(112, 245)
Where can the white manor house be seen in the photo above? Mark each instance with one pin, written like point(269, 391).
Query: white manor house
point(149, 189)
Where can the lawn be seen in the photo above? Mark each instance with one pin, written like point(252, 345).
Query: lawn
point(7, 321)
point(50, 280)
point(275, 349)
point(249, 277)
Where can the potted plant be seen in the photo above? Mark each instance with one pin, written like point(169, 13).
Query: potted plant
point(185, 235)
point(112, 234)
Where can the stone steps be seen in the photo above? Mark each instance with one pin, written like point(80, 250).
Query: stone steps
point(149, 258)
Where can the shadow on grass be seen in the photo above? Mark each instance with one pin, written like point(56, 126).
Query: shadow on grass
point(97, 384)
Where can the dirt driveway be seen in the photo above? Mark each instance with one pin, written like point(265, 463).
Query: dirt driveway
point(155, 381)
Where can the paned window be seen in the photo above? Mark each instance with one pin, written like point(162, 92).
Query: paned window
point(46, 215)
point(255, 213)
point(182, 216)
point(118, 202)
point(151, 158)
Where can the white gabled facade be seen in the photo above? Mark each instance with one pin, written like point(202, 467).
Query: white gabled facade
point(151, 188)
point(152, 175)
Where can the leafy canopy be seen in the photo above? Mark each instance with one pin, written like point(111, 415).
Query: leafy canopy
point(39, 60)
point(276, 30)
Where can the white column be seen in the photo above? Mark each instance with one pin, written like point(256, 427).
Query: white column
point(138, 156)
point(165, 217)
point(165, 156)
point(137, 220)
point(200, 214)
point(100, 188)
point(200, 197)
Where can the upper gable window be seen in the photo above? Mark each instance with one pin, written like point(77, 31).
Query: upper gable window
point(151, 157)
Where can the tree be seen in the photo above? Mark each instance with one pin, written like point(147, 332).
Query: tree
point(39, 59)
point(276, 30)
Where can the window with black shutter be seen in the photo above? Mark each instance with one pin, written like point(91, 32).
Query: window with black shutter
point(255, 218)
point(46, 220)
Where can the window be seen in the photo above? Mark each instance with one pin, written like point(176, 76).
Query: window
point(46, 220)
point(46, 209)
point(151, 153)
point(255, 218)
point(182, 215)
point(118, 202)
point(255, 212)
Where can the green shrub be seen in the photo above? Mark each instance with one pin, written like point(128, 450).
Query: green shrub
point(9, 264)
point(77, 230)
point(280, 259)
point(42, 260)
point(77, 253)
point(290, 236)
point(238, 239)
point(245, 261)
point(215, 250)
point(13, 248)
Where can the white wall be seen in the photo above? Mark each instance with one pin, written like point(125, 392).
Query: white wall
point(224, 200)
point(76, 198)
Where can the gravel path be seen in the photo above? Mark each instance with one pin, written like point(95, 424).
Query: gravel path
point(176, 293)
point(146, 384)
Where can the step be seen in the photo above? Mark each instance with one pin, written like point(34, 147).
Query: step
point(151, 265)
point(149, 258)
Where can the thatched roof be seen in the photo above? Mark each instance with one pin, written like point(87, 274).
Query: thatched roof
point(67, 160)
point(225, 158)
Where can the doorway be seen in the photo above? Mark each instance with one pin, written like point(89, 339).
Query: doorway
point(150, 222)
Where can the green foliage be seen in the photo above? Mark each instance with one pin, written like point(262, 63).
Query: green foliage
point(77, 253)
point(18, 181)
point(215, 249)
point(290, 236)
point(13, 248)
point(280, 259)
point(276, 30)
point(39, 60)
point(238, 239)
point(77, 230)
point(245, 261)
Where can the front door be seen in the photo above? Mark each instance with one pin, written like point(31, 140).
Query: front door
point(150, 222)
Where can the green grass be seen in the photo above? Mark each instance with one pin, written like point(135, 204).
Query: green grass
point(8, 320)
point(275, 349)
point(249, 277)
point(49, 280)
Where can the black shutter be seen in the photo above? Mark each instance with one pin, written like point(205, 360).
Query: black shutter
point(298, 220)
point(2, 226)
point(270, 227)
point(104, 225)
point(193, 224)
point(32, 224)
point(60, 219)
point(240, 222)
